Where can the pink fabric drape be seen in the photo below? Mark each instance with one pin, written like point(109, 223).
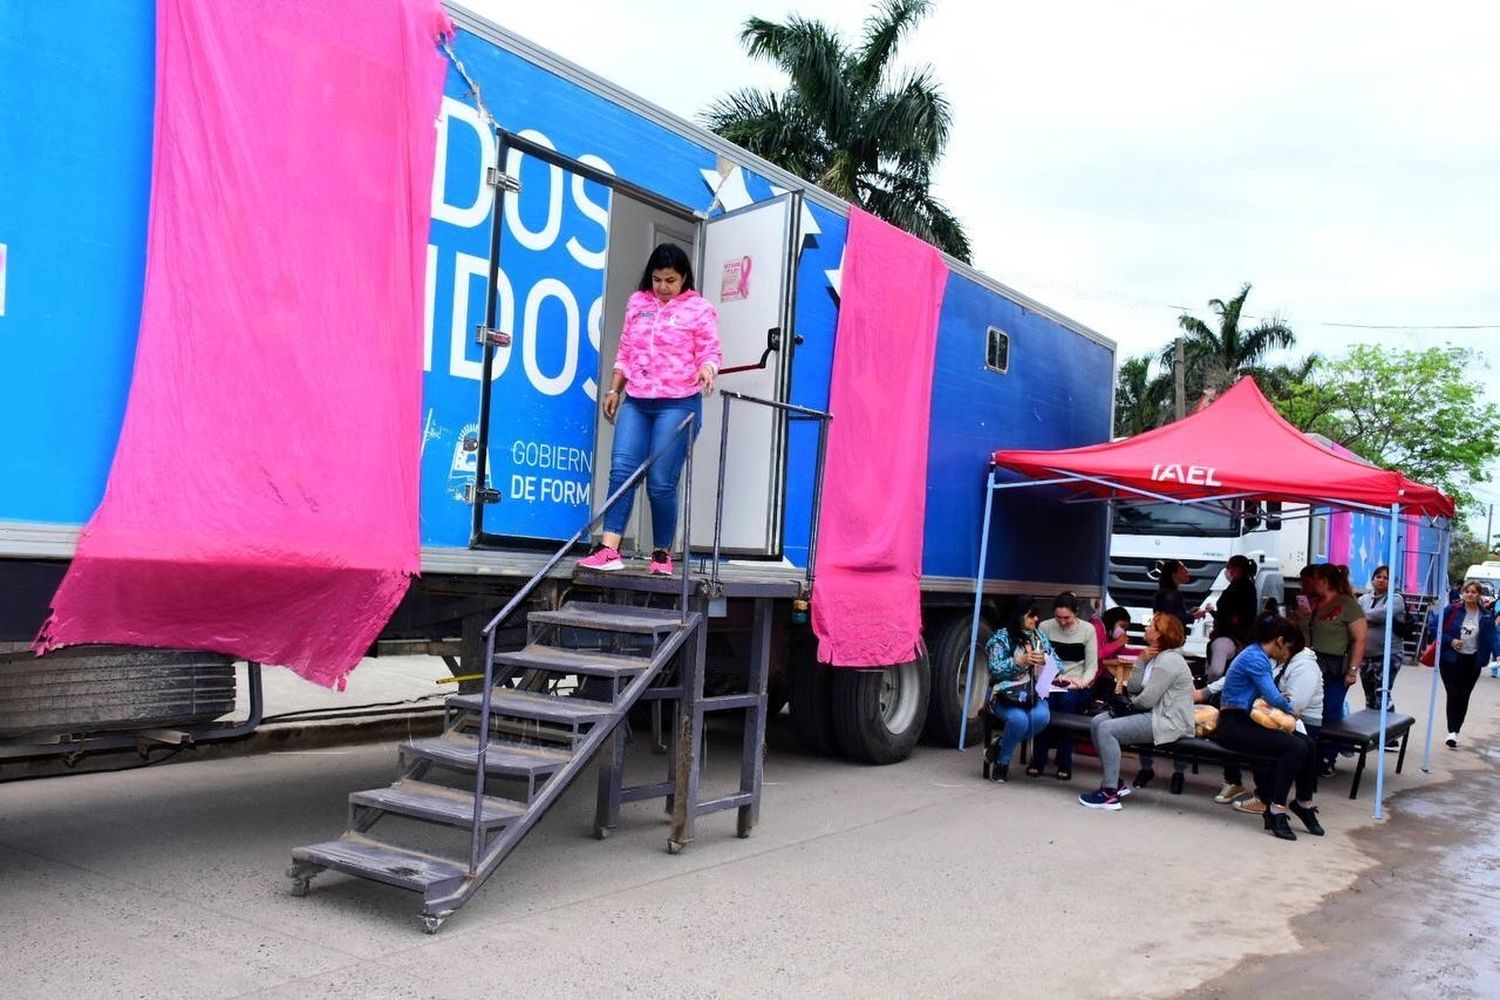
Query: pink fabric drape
point(263, 497)
point(866, 608)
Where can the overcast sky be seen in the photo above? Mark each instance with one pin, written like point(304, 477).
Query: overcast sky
point(1122, 161)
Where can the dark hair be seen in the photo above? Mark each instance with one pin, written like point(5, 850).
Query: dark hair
point(1016, 625)
point(1382, 568)
point(668, 255)
point(1269, 628)
point(1308, 572)
point(1337, 577)
point(1066, 600)
point(1243, 564)
point(1167, 577)
point(1114, 616)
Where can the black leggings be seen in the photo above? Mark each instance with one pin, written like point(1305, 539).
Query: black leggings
point(1296, 758)
point(1459, 679)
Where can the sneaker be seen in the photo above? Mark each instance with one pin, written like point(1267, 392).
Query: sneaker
point(1327, 769)
point(1254, 807)
point(1392, 745)
point(603, 558)
point(661, 563)
point(1103, 798)
point(1122, 791)
point(1309, 817)
point(1453, 741)
point(1229, 793)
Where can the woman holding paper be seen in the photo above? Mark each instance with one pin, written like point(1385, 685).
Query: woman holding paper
point(1016, 654)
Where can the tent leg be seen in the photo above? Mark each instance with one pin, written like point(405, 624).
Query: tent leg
point(1440, 590)
point(1385, 667)
point(984, 554)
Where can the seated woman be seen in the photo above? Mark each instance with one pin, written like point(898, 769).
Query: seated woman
point(1115, 652)
point(1162, 687)
point(1300, 679)
point(1294, 755)
point(1015, 653)
point(1076, 649)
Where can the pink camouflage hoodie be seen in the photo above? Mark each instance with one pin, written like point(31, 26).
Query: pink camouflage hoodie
point(663, 345)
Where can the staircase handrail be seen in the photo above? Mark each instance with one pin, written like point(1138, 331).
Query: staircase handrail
point(476, 845)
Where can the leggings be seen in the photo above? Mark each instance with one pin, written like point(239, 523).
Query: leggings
point(1295, 758)
point(1459, 678)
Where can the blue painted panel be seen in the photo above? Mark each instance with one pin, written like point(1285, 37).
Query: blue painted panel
point(1056, 394)
point(76, 91)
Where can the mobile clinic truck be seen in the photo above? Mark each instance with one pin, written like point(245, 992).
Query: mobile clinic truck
point(602, 177)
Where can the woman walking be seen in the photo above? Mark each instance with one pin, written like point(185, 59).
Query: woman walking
point(1468, 642)
point(667, 360)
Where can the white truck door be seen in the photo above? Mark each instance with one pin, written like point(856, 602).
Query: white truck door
point(747, 273)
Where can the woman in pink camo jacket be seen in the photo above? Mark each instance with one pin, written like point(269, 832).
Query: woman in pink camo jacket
point(667, 360)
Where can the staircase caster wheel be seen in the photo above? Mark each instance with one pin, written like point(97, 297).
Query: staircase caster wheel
point(300, 886)
point(675, 846)
point(431, 924)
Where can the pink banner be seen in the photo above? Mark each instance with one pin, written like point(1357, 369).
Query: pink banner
point(866, 609)
point(263, 497)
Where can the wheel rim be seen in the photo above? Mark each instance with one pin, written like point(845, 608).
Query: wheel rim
point(899, 689)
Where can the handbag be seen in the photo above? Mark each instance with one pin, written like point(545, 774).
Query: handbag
point(1428, 655)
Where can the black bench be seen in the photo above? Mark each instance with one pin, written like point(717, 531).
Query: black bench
point(1360, 732)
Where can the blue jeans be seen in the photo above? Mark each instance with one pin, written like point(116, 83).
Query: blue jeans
point(1020, 724)
point(643, 427)
point(1060, 701)
point(1335, 694)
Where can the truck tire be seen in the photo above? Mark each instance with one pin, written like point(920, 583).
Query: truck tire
point(808, 685)
point(878, 714)
point(950, 665)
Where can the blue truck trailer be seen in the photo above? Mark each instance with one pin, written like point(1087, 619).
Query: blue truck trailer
point(602, 177)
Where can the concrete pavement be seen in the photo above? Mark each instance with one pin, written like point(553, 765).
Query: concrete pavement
point(913, 880)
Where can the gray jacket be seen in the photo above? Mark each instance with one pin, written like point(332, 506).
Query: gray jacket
point(1168, 694)
point(1375, 607)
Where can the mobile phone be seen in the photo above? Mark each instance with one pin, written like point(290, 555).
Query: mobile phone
point(1302, 603)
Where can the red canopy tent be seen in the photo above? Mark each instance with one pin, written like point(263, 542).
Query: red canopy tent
point(1236, 448)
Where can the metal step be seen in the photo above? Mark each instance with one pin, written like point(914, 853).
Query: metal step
point(588, 662)
point(611, 618)
point(541, 707)
point(357, 855)
point(438, 804)
point(501, 757)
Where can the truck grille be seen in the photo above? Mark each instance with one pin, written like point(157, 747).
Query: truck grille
point(1132, 580)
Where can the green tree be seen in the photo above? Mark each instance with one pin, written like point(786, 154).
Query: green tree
point(1139, 405)
point(1465, 550)
point(1422, 412)
point(847, 121)
point(1216, 358)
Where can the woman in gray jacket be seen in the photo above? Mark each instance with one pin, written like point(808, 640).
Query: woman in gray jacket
point(1161, 685)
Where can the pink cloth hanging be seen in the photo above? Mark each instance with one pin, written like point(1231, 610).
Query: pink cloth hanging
point(263, 497)
point(866, 606)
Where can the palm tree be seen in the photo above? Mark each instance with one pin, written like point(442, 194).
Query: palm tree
point(1216, 358)
point(848, 122)
point(1139, 399)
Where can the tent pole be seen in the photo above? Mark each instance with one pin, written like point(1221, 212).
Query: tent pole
point(984, 554)
point(1440, 605)
point(1385, 663)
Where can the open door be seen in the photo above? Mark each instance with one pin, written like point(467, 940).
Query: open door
point(747, 272)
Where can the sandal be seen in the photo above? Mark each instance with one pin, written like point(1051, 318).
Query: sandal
point(1033, 771)
point(1065, 774)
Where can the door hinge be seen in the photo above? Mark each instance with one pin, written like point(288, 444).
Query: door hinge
point(494, 338)
point(474, 494)
point(495, 177)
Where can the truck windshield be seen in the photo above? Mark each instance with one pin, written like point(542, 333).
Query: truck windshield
point(1174, 519)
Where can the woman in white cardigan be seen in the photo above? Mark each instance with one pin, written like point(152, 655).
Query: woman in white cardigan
point(1161, 691)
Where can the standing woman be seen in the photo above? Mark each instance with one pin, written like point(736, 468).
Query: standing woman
point(1377, 602)
point(1468, 642)
point(1234, 617)
point(1335, 629)
point(1015, 653)
point(666, 363)
point(1168, 598)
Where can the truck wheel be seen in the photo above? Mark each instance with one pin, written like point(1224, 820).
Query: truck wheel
point(950, 665)
point(808, 685)
point(878, 714)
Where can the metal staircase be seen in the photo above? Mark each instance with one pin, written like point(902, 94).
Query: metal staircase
point(542, 733)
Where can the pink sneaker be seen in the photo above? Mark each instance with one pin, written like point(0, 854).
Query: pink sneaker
point(661, 563)
point(602, 558)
